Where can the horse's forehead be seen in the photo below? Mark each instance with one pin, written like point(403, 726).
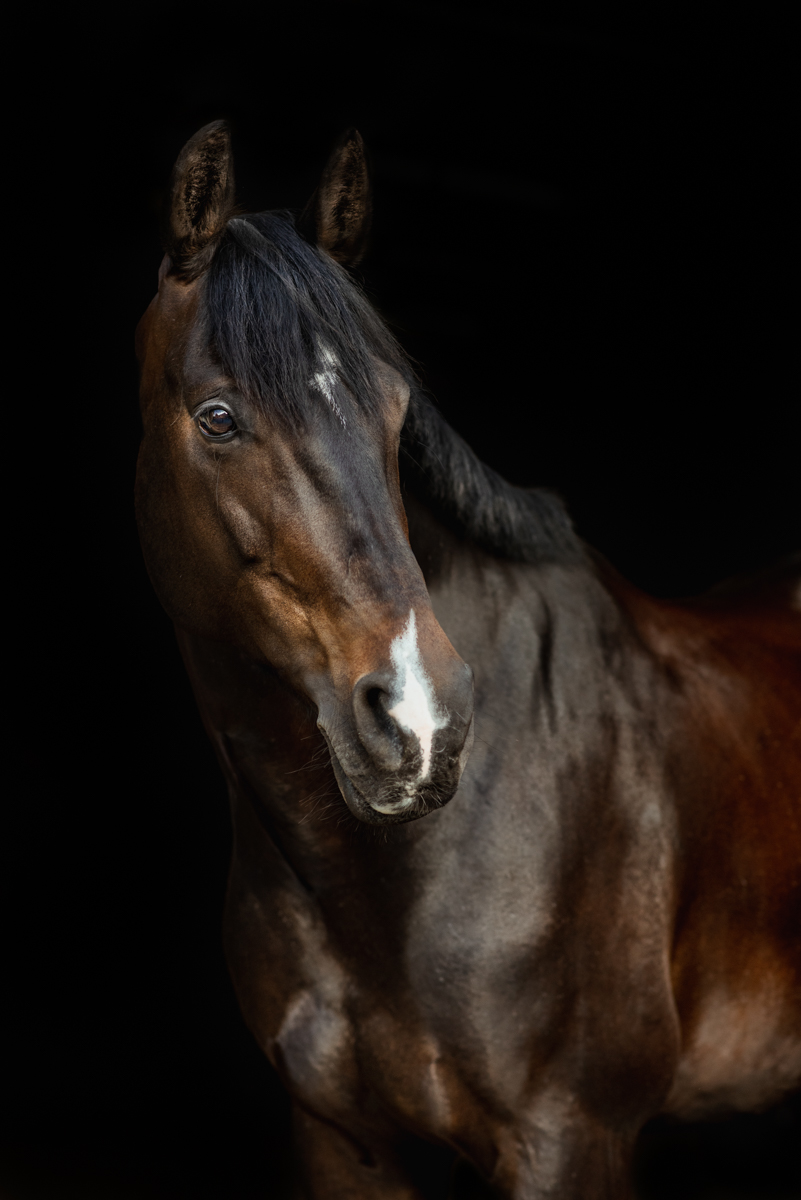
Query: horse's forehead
point(143, 329)
point(171, 345)
point(179, 305)
point(175, 327)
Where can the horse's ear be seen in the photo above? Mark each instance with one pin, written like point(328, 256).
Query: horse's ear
point(201, 199)
point(337, 218)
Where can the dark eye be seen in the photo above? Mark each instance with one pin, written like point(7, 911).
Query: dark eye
point(215, 422)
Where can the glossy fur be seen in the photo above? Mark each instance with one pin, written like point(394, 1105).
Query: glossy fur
point(597, 918)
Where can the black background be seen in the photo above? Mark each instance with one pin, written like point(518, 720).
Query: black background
point(582, 235)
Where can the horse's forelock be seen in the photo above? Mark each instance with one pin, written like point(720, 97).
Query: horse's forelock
point(276, 304)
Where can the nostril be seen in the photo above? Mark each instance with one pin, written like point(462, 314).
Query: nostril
point(377, 730)
point(377, 700)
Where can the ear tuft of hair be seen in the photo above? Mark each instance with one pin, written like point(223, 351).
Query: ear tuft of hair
point(201, 200)
point(337, 218)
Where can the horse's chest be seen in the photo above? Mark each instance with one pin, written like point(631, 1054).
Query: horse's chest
point(339, 1058)
point(416, 1030)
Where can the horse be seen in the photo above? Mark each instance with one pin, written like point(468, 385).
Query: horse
point(516, 852)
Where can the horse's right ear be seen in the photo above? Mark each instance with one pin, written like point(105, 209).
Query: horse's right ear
point(201, 200)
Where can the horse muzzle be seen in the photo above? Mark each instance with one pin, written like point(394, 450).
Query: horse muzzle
point(402, 747)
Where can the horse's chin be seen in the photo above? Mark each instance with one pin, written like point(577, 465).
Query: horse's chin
point(408, 807)
point(392, 803)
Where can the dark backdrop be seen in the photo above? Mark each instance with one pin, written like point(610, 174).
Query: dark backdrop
point(581, 235)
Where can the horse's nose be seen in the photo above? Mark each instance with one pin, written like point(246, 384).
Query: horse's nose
point(378, 732)
point(411, 722)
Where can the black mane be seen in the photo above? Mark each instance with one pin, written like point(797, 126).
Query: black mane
point(523, 524)
point(281, 311)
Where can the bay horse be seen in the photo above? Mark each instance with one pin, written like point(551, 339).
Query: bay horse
point(511, 909)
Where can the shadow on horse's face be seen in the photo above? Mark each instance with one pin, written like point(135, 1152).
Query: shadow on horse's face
point(292, 545)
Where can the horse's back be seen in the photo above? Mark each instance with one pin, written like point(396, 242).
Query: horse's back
point(766, 602)
point(747, 626)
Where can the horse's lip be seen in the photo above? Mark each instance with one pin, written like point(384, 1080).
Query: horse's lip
point(358, 803)
point(346, 784)
point(398, 806)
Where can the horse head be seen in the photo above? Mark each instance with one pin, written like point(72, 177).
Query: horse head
point(268, 496)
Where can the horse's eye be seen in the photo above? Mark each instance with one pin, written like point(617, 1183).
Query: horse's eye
point(216, 421)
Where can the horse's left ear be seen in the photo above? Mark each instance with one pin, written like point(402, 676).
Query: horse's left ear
point(337, 218)
point(201, 199)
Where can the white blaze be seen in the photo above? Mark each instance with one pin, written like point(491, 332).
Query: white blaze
point(415, 707)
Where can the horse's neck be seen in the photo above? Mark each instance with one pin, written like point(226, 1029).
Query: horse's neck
point(260, 728)
point(473, 592)
point(277, 766)
point(561, 670)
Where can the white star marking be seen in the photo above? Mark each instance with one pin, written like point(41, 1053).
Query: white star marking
point(325, 379)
